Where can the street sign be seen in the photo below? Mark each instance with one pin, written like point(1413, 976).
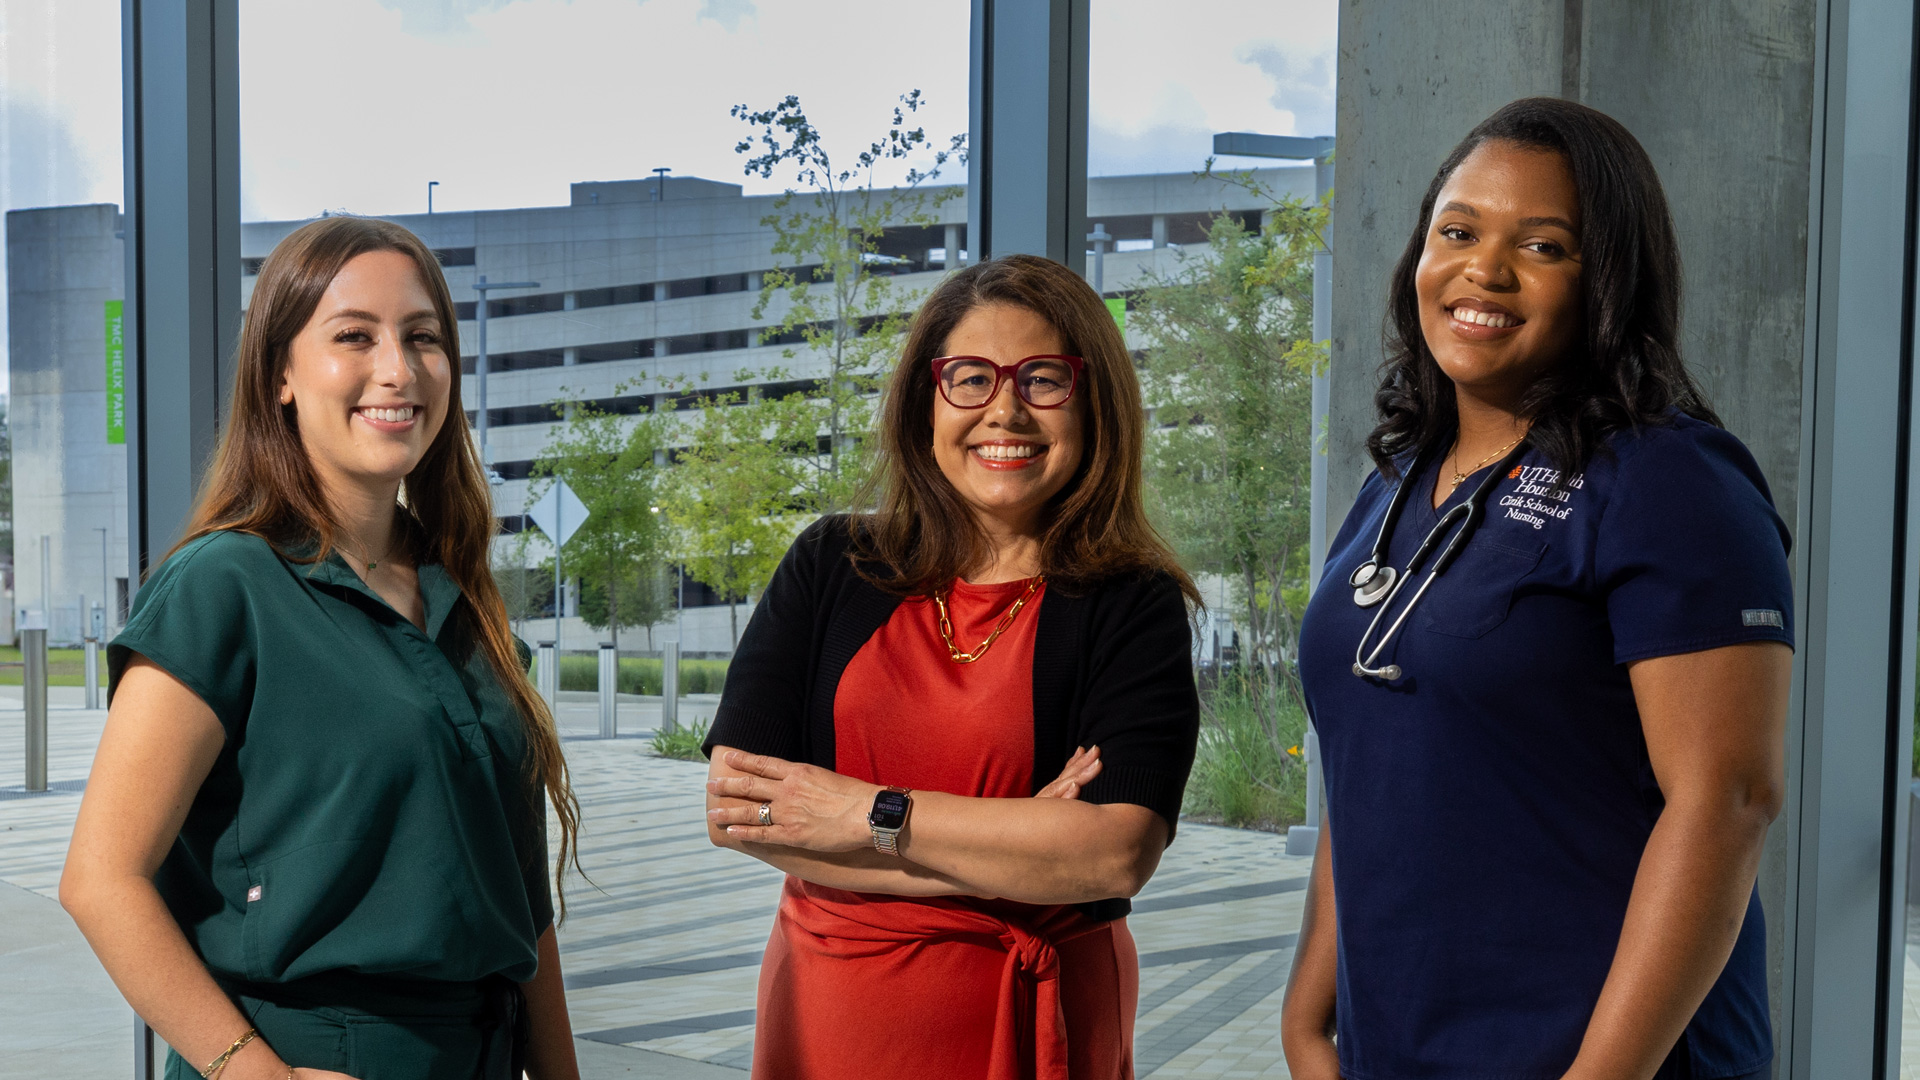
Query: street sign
point(559, 513)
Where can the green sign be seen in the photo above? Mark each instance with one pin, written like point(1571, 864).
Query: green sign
point(116, 374)
point(1118, 307)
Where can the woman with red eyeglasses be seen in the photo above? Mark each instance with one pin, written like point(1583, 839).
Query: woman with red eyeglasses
point(962, 724)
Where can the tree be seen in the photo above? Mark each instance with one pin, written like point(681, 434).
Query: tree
point(1229, 377)
point(730, 499)
point(752, 469)
point(837, 302)
point(612, 463)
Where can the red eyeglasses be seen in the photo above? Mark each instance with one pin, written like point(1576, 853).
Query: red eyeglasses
point(1044, 381)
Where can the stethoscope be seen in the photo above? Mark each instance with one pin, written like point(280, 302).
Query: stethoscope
point(1375, 581)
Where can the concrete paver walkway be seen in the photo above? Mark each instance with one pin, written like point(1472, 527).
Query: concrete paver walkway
point(663, 939)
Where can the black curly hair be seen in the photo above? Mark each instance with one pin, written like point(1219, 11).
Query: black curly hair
point(1627, 372)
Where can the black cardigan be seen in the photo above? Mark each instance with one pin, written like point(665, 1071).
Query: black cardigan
point(1112, 667)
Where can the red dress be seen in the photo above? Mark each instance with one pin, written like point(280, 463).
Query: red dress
point(945, 988)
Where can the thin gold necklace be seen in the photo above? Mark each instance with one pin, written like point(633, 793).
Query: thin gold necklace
point(371, 563)
point(1459, 477)
point(946, 626)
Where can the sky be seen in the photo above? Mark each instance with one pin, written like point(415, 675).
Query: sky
point(357, 104)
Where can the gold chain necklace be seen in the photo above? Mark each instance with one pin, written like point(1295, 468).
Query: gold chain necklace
point(1459, 477)
point(946, 626)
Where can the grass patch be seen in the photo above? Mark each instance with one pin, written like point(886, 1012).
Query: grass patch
point(1245, 773)
point(65, 667)
point(683, 744)
point(641, 675)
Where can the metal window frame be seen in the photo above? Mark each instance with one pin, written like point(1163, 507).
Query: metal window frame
point(1850, 735)
point(1027, 155)
point(180, 63)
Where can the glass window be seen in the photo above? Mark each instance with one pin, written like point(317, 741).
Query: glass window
point(1160, 90)
point(545, 176)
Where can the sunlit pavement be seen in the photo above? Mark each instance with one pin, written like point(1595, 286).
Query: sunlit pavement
point(662, 947)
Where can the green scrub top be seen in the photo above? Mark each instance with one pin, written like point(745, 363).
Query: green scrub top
point(372, 808)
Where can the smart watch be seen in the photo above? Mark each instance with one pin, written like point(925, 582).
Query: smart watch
point(888, 817)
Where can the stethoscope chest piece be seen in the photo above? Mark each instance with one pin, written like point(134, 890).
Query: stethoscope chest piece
point(1371, 582)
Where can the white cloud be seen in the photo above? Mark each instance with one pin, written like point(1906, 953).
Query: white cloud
point(1162, 84)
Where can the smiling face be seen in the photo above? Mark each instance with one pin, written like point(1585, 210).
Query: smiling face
point(1499, 280)
point(368, 376)
point(1007, 459)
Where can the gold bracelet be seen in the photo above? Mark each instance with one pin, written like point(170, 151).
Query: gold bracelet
point(212, 1071)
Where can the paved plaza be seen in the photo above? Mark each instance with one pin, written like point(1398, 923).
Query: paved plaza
point(663, 940)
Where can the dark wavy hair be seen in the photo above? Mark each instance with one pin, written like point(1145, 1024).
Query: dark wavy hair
point(922, 535)
point(1627, 372)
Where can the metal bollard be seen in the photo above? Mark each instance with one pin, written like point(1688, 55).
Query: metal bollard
point(670, 687)
point(609, 691)
point(93, 673)
point(547, 669)
point(1302, 839)
point(33, 654)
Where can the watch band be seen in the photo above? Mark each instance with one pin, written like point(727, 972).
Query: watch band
point(886, 838)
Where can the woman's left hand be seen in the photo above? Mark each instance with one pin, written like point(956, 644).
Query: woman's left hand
point(810, 807)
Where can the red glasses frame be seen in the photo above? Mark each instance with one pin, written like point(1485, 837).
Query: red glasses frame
point(1003, 372)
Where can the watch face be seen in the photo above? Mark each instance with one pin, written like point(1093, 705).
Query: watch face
point(889, 810)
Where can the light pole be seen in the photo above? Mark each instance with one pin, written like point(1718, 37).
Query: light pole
point(106, 582)
point(431, 184)
point(481, 285)
point(1100, 238)
point(1318, 149)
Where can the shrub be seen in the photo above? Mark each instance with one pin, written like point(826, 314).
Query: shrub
point(641, 675)
point(683, 744)
point(1241, 776)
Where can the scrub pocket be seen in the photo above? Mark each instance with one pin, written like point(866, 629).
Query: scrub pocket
point(1476, 593)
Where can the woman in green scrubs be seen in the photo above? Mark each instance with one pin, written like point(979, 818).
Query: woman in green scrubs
point(314, 840)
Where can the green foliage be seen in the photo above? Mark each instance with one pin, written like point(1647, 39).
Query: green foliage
point(615, 465)
point(729, 498)
point(641, 675)
point(1228, 375)
point(684, 744)
point(1243, 775)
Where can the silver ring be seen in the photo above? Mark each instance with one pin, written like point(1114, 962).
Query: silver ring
point(766, 813)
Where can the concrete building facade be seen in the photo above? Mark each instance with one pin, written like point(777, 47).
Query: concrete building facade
point(64, 266)
point(643, 285)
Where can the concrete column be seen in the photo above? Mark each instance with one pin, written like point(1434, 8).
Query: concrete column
point(661, 347)
point(1779, 129)
point(1159, 230)
point(953, 246)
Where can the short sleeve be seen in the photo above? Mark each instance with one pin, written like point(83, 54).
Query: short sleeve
point(1142, 708)
point(1690, 553)
point(194, 618)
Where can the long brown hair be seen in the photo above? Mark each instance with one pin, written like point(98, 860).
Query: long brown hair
point(262, 482)
point(924, 535)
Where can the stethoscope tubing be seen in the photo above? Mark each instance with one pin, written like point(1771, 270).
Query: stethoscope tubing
point(1460, 522)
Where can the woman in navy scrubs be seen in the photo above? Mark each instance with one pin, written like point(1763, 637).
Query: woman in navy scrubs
point(1550, 773)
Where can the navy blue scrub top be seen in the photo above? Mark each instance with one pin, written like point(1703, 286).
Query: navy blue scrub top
point(1490, 808)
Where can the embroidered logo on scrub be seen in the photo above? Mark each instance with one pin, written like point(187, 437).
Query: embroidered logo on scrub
point(1762, 617)
point(1540, 495)
point(253, 894)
